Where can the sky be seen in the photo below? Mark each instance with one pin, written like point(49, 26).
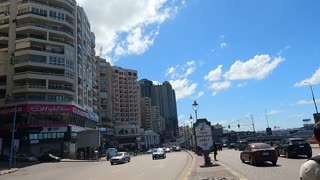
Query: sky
point(235, 58)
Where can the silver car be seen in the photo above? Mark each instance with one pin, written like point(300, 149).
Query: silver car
point(120, 157)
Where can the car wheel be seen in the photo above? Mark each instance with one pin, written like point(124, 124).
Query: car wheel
point(252, 161)
point(309, 156)
point(274, 163)
point(242, 160)
point(111, 163)
point(152, 158)
point(129, 160)
point(287, 154)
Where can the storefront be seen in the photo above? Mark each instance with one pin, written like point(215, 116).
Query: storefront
point(45, 128)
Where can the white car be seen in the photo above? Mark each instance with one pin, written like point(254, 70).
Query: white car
point(120, 157)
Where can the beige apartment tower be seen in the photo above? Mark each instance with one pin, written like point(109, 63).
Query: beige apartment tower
point(47, 73)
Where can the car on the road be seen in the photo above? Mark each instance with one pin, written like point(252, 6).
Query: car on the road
point(167, 150)
point(241, 145)
point(49, 158)
point(175, 148)
point(120, 157)
point(158, 153)
point(231, 145)
point(257, 153)
point(291, 147)
point(25, 157)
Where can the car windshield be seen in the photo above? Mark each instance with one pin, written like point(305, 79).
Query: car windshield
point(261, 146)
point(118, 155)
point(300, 141)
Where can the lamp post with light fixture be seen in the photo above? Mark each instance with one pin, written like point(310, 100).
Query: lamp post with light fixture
point(195, 107)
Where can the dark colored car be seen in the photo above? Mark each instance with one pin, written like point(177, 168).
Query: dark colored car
point(158, 153)
point(241, 145)
point(175, 148)
point(25, 157)
point(120, 157)
point(231, 145)
point(257, 153)
point(293, 147)
point(4, 157)
point(49, 158)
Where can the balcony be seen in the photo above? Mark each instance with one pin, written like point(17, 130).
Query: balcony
point(29, 88)
point(55, 51)
point(42, 75)
point(55, 28)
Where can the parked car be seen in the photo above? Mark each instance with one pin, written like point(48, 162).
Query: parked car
point(241, 145)
point(4, 157)
point(150, 151)
point(158, 153)
point(293, 147)
point(49, 158)
point(25, 157)
point(120, 157)
point(256, 153)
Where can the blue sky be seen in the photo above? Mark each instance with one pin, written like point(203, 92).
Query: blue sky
point(235, 58)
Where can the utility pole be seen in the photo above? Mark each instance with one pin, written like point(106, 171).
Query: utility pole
point(267, 117)
point(252, 123)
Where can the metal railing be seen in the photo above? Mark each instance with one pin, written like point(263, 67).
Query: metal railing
point(46, 27)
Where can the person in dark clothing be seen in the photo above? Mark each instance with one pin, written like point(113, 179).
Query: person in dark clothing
point(215, 151)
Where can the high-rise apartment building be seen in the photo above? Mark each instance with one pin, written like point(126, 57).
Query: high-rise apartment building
point(164, 97)
point(126, 106)
point(46, 76)
point(163, 108)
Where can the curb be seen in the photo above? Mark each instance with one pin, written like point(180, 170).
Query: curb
point(3, 172)
point(187, 172)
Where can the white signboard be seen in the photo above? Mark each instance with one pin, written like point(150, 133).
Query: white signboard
point(204, 136)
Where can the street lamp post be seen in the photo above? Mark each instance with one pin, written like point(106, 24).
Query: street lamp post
point(12, 135)
point(195, 107)
point(314, 101)
point(191, 126)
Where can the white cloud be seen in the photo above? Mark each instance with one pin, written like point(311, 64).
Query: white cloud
point(307, 101)
point(274, 112)
point(181, 117)
point(257, 68)
point(223, 45)
point(242, 84)
point(181, 71)
point(183, 87)
point(201, 93)
point(314, 79)
point(218, 86)
point(156, 82)
point(128, 26)
point(215, 74)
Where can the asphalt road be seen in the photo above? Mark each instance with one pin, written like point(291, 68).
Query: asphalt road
point(286, 169)
point(140, 168)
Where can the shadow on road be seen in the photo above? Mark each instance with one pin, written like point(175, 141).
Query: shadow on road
point(211, 165)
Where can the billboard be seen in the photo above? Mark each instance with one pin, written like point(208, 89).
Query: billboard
point(204, 136)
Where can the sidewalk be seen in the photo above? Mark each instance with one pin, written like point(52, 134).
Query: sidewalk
point(218, 171)
point(7, 171)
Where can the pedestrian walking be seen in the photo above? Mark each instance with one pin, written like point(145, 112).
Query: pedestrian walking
point(108, 155)
point(310, 170)
point(215, 151)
